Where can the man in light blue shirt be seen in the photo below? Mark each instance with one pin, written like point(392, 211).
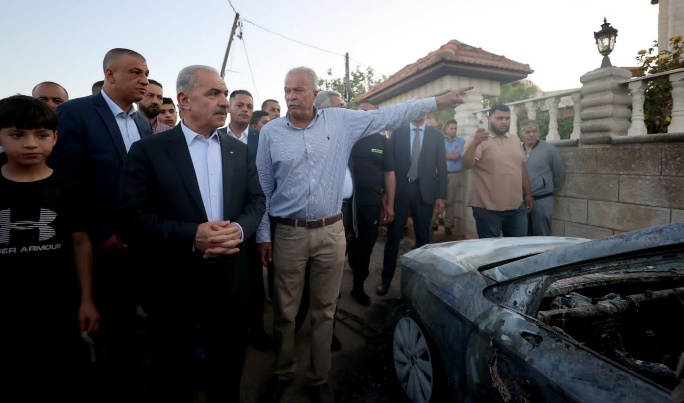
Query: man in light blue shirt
point(454, 149)
point(301, 160)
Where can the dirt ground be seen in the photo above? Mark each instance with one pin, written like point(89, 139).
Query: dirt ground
point(363, 370)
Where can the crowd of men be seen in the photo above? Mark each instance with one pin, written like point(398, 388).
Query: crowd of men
point(185, 210)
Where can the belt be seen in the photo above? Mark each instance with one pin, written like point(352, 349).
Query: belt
point(545, 195)
point(323, 222)
point(454, 172)
point(346, 201)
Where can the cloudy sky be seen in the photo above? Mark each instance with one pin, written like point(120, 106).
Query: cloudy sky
point(65, 41)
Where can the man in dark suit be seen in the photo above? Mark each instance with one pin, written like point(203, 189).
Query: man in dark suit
point(421, 186)
point(188, 199)
point(241, 109)
point(95, 134)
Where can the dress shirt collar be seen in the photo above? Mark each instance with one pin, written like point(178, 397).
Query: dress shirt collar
point(116, 110)
point(191, 135)
point(413, 127)
point(243, 134)
point(317, 112)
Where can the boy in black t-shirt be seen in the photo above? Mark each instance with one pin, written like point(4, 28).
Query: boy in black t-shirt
point(46, 301)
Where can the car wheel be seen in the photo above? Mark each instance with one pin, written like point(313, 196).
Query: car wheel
point(414, 363)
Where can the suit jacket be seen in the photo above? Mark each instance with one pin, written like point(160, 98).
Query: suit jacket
point(160, 207)
point(252, 139)
point(90, 147)
point(432, 171)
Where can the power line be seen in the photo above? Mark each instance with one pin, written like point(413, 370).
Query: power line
point(244, 45)
point(231, 6)
point(293, 40)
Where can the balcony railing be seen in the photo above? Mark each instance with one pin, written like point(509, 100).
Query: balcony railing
point(635, 87)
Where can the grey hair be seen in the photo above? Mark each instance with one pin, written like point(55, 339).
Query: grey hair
point(113, 56)
point(323, 99)
point(313, 78)
point(527, 122)
point(187, 78)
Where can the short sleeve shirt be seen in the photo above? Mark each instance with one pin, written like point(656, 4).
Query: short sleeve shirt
point(497, 175)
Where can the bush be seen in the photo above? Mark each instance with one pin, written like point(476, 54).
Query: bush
point(658, 102)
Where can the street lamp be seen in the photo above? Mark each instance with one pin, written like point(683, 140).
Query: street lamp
point(605, 41)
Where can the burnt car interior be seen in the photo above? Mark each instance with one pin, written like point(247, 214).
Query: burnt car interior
point(626, 310)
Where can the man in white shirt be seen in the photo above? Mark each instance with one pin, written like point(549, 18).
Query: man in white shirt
point(241, 109)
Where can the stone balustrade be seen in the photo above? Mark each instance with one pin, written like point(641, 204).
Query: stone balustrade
point(610, 103)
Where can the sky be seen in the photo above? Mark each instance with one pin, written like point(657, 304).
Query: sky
point(65, 41)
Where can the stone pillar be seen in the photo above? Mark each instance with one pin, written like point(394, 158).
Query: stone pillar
point(552, 103)
point(514, 120)
point(675, 20)
point(663, 23)
point(531, 110)
point(465, 114)
point(605, 103)
point(638, 127)
point(577, 111)
point(677, 113)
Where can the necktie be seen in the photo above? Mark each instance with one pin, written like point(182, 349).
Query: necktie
point(415, 154)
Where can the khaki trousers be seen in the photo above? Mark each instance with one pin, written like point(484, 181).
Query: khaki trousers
point(453, 185)
point(292, 247)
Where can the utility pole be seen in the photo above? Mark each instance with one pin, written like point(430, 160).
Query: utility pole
point(230, 41)
point(347, 87)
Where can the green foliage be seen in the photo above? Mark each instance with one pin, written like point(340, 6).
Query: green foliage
point(564, 126)
point(512, 92)
point(658, 102)
point(360, 81)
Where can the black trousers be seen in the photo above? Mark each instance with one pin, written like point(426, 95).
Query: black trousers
point(117, 288)
point(421, 214)
point(179, 317)
point(255, 307)
point(360, 245)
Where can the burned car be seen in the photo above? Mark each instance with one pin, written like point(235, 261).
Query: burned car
point(550, 319)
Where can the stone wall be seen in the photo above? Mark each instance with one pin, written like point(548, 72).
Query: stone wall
point(615, 184)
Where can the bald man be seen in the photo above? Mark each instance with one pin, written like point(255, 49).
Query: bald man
point(50, 92)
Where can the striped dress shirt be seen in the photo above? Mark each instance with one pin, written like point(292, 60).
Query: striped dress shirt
point(302, 170)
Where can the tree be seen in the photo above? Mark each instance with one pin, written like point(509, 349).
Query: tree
point(658, 102)
point(360, 81)
point(511, 92)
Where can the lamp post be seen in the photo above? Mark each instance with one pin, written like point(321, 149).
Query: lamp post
point(605, 41)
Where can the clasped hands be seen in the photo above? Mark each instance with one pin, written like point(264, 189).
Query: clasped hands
point(218, 238)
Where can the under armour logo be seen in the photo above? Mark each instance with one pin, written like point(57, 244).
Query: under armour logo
point(45, 230)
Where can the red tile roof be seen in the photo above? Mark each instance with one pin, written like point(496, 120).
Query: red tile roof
point(454, 58)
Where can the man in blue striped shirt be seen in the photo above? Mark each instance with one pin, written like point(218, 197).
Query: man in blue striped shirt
point(302, 159)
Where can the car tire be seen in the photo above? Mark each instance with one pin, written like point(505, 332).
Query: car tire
point(415, 363)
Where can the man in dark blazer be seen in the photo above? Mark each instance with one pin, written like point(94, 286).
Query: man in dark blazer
point(188, 199)
point(95, 133)
point(421, 194)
